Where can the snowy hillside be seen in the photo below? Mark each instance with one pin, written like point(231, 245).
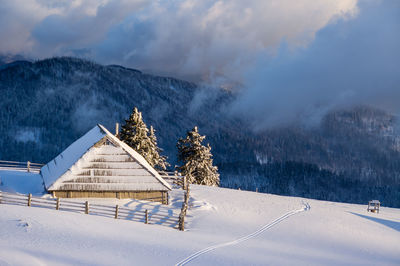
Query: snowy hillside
point(327, 233)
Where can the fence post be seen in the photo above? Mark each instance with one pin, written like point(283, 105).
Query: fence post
point(181, 222)
point(58, 204)
point(0, 197)
point(146, 217)
point(184, 182)
point(29, 199)
point(87, 207)
point(28, 165)
point(116, 211)
point(184, 208)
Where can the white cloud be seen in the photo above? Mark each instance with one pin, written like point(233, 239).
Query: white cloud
point(350, 62)
point(193, 39)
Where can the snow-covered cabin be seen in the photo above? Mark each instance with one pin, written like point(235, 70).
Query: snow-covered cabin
point(100, 165)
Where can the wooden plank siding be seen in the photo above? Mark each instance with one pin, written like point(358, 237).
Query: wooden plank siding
point(107, 168)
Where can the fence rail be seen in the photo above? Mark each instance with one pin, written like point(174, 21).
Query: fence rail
point(173, 178)
point(20, 166)
point(156, 216)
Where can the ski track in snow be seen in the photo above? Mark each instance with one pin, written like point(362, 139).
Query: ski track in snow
point(244, 238)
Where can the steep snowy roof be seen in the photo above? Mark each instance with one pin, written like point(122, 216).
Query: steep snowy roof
point(62, 164)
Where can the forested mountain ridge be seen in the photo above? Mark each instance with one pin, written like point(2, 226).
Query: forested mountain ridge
point(352, 155)
point(48, 104)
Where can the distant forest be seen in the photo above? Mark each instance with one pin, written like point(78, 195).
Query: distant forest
point(353, 155)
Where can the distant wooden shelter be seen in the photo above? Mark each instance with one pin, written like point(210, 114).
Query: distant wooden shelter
point(100, 165)
point(373, 206)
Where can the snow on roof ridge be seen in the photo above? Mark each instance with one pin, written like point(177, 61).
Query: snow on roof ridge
point(53, 170)
point(141, 160)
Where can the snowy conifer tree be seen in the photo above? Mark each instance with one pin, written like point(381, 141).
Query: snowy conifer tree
point(197, 160)
point(136, 134)
point(157, 160)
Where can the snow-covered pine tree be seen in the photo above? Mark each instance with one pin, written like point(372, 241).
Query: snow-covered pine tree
point(197, 162)
point(136, 134)
point(157, 160)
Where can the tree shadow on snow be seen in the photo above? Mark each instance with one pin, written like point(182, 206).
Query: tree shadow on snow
point(158, 213)
point(391, 224)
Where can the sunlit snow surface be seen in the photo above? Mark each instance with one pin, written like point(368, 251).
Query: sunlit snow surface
point(327, 234)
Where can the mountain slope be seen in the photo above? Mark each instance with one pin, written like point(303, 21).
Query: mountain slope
point(48, 104)
point(353, 155)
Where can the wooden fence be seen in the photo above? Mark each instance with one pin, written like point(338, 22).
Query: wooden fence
point(177, 179)
point(173, 178)
point(156, 215)
point(20, 166)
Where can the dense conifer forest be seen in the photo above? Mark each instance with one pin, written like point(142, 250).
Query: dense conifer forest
point(352, 155)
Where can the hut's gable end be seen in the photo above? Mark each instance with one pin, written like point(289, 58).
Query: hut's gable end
point(135, 155)
point(106, 166)
point(60, 165)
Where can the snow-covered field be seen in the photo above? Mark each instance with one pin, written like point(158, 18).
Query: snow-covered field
point(326, 234)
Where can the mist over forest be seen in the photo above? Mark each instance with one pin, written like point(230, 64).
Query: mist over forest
point(351, 155)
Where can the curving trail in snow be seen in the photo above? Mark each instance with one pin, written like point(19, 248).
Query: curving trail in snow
point(244, 238)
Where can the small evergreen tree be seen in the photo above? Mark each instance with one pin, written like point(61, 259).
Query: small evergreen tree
point(197, 160)
point(136, 134)
point(156, 159)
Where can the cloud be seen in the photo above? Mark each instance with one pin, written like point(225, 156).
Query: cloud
point(197, 40)
point(202, 40)
point(17, 19)
point(350, 62)
point(293, 59)
point(79, 27)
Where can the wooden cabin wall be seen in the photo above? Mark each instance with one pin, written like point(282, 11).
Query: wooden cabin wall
point(157, 196)
point(108, 168)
